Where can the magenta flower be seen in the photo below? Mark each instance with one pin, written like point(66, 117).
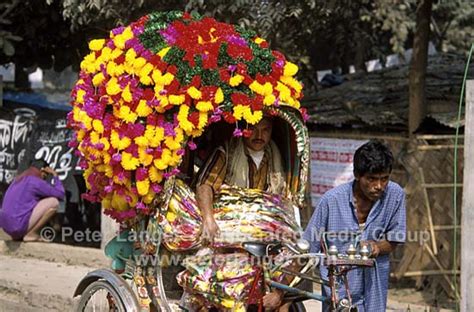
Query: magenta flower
point(192, 146)
point(141, 174)
point(237, 132)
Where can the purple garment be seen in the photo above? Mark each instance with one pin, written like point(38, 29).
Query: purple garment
point(20, 199)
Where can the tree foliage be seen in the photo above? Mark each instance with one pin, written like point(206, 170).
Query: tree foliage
point(316, 34)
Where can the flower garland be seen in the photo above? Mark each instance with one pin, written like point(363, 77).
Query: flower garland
point(153, 86)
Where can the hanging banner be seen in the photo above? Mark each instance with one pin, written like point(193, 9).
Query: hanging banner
point(331, 164)
point(15, 133)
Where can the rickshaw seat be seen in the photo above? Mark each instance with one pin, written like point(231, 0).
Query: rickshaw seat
point(259, 249)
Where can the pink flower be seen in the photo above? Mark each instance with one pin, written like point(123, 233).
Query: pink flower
point(237, 132)
point(192, 146)
point(156, 188)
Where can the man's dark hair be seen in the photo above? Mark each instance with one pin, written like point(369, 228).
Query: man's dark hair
point(39, 163)
point(372, 157)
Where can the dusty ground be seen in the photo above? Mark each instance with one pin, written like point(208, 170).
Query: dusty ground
point(43, 277)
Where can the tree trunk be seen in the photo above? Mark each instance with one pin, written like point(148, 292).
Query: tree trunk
point(418, 66)
point(22, 82)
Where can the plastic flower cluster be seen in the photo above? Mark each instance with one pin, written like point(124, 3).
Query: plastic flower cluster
point(153, 86)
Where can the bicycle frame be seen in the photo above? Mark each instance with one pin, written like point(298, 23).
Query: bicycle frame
point(336, 268)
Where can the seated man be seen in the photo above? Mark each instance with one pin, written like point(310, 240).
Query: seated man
point(250, 162)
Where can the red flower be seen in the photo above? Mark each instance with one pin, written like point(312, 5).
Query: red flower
point(247, 133)
point(194, 118)
point(228, 117)
point(120, 59)
point(240, 98)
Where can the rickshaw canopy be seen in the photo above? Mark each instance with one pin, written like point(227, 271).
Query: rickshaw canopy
point(149, 90)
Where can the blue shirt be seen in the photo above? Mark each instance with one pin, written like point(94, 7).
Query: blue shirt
point(386, 220)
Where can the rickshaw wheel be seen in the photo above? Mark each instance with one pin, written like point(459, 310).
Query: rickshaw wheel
point(108, 300)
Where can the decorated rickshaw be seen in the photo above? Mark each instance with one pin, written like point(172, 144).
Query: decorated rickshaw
point(151, 101)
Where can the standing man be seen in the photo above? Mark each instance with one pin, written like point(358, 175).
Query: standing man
point(372, 205)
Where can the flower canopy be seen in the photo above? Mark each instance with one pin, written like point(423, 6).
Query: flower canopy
point(144, 93)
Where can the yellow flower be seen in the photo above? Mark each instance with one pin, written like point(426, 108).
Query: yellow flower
point(85, 119)
point(94, 137)
point(184, 123)
point(256, 87)
point(138, 63)
point(176, 99)
point(119, 41)
point(80, 134)
point(106, 144)
point(172, 143)
point(194, 93)
point(155, 175)
point(163, 162)
point(290, 69)
point(204, 106)
point(143, 187)
point(129, 162)
point(269, 99)
point(98, 78)
point(219, 97)
point(202, 120)
point(80, 96)
point(127, 33)
point(144, 74)
point(106, 204)
point(87, 63)
point(259, 40)
point(96, 44)
point(113, 87)
point(141, 141)
point(105, 55)
point(145, 158)
point(148, 198)
point(163, 52)
point(292, 82)
point(239, 111)
point(118, 143)
point(154, 135)
point(285, 92)
point(126, 94)
point(236, 80)
point(130, 56)
point(143, 109)
point(175, 159)
point(253, 118)
point(116, 53)
point(267, 88)
point(118, 202)
point(160, 79)
point(126, 114)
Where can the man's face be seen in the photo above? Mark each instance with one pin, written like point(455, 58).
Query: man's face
point(372, 185)
point(261, 135)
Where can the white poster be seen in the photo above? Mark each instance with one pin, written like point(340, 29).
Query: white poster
point(331, 164)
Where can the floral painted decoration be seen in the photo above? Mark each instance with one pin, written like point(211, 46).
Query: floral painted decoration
point(144, 93)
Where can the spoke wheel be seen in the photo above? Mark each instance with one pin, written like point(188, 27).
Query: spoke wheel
point(100, 296)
